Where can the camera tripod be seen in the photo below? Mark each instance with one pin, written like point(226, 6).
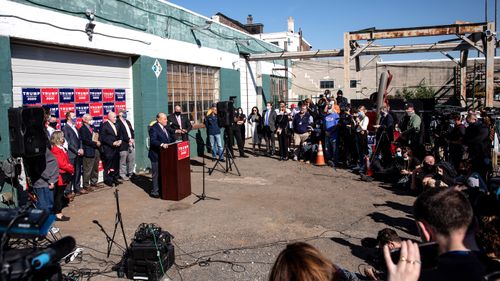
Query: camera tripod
point(229, 157)
point(118, 221)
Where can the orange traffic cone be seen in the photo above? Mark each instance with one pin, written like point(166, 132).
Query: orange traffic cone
point(320, 159)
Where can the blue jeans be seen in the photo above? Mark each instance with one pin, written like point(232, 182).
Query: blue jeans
point(45, 198)
point(331, 149)
point(216, 144)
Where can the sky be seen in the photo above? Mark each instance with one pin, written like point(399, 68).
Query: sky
point(323, 23)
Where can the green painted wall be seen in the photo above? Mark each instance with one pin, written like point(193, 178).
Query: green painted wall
point(150, 97)
point(5, 94)
point(160, 19)
point(266, 90)
point(230, 85)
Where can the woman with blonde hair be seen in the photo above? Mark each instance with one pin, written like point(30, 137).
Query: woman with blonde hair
point(66, 170)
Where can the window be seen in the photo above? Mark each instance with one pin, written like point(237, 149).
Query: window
point(275, 43)
point(353, 83)
point(326, 84)
point(279, 89)
point(193, 87)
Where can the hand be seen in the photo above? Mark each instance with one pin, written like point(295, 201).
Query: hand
point(80, 152)
point(440, 171)
point(178, 131)
point(51, 185)
point(408, 267)
point(98, 143)
point(131, 141)
point(404, 172)
point(164, 146)
point(376, 126)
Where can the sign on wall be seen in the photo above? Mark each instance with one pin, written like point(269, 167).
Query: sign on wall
point(97, 102)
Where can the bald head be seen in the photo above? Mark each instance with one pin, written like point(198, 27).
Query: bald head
point(112, 117)
point(429, 160)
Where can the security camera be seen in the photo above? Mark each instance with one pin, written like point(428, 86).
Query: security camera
point(490, 33)
point(90, 15)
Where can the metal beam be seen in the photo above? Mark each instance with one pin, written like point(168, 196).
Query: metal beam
point(490, 66)
point(361, 49)
point(376, 50)
point(347, 67)
point(472, 43)
point(417, 31)
point(463, 77)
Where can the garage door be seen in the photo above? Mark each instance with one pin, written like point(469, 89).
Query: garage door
point(66, 80)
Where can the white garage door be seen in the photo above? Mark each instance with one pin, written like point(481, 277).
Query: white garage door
point(65, 78)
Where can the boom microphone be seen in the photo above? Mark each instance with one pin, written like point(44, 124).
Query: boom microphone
point(54, 252)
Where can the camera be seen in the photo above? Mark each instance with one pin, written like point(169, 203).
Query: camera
point(429, 253)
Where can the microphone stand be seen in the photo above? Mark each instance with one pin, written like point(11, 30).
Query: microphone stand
point(203, 195)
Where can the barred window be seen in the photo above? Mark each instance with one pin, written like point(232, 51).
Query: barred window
point(193, 87)
point(279, 89)
point(326, 84)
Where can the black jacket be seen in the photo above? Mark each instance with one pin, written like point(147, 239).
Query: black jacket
point(107, 136)
point(88, 145)
point(123, 134)
point(172, 124)
point(156, 138)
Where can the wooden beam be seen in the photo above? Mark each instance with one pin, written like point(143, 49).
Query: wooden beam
point(347, 67)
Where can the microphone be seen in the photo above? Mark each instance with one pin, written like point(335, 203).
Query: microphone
point(54, 252)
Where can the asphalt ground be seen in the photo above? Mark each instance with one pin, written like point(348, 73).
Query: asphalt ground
point(239, 236)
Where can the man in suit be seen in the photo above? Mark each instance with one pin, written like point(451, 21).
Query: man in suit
point(179, 123)
point(90, 148)
point(109, 136)
point(160, 135)
point(269, 126)
point(127, 148)
point(75, 153)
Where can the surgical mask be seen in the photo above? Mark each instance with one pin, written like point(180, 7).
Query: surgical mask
point(268, 107)
point(91, 122)
point(177, 113)
point(399, 154)
point(73, 120)
point(124, 115)
point(360, 114)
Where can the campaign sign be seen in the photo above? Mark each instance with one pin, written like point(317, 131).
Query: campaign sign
point(108, 107)
point(54, 109)
point(95, 95)
point(31, 96)
point(182, 150)
point(79, 123)
point(82, 95)
point(97, 122)
point(108, 95)
point(95, 109)
point(81, 109)
point(50, 96)
point(62, 123)
point(65, 107)
point(120, 95)
point(66, 95)
point(120, 105)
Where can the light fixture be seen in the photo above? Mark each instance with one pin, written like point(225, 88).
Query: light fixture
point(89, 29)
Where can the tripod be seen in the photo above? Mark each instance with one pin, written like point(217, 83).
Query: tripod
point(229, 156)
point(203, 195)
point(118, 221)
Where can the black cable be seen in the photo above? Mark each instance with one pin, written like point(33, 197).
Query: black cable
point(74, 30)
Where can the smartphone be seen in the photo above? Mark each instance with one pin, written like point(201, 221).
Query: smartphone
point(429, 253)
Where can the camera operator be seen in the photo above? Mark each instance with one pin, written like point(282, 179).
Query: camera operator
point(455, 140)
point(478, 145)
point(431, 175)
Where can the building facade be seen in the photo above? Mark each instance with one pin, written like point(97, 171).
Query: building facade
point(143, 56)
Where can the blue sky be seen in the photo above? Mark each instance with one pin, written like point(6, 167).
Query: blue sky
point(324, 22)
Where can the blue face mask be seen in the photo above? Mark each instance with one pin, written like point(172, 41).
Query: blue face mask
point(73, 120)
point(124, 115)
point(360, 114)
point(399, 154)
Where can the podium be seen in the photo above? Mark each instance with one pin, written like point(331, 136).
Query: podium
point(175, 171)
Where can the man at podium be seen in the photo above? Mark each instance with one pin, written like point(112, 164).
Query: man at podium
point(159, 138)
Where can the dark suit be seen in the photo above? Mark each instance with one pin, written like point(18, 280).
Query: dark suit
point(127, 152)
point(74, 144)
point(90, 157)
point(157, 137)
point(123, 134)
point(110, 154)
point(173, 124)
point(385, 136)
point(269, 127)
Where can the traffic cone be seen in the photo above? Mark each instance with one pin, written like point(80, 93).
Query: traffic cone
point(320, 159)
